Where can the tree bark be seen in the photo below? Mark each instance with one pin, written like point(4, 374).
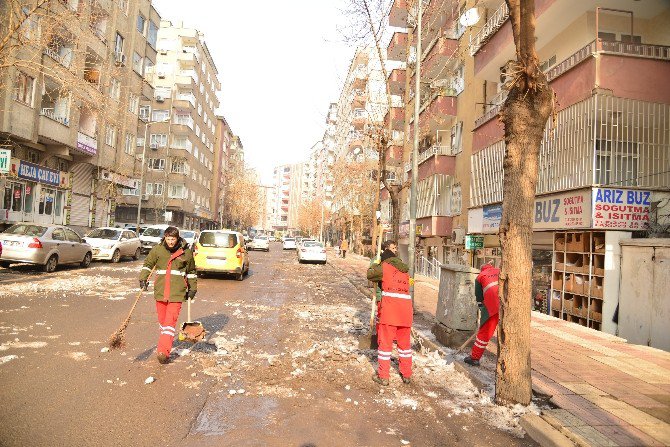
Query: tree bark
point(524, 114)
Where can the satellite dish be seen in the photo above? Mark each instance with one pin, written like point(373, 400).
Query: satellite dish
point(469, 17)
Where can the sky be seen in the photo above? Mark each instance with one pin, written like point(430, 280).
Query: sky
point(280, 63)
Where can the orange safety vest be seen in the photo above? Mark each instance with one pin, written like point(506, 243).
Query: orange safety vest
point(488, 278)
point(396, 304)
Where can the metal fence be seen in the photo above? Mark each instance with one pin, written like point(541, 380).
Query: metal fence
point(429, 267)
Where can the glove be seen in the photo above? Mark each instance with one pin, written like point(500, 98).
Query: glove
point(191, 295)
point(144, 284)
point(377, 261)
point(411, 281)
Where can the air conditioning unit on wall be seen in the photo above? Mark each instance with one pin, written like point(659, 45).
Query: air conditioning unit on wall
point(458, 236)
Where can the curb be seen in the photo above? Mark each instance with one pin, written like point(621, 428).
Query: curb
point(543, 433)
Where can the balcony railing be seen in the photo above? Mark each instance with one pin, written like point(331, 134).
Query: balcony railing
point(65, 62)
point(51, 114)
point(429, 267)
point(430, 152)
point(492, 25)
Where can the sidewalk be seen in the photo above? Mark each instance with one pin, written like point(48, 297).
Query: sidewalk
point(607, 392)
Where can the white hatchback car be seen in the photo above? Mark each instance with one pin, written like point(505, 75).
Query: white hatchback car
point(111, 244)
point(289, 243)
point(312, 251)
point(260, 243)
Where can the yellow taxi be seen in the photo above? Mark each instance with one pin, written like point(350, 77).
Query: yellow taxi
point(221, 251)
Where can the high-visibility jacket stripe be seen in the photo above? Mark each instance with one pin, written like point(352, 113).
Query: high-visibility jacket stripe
point(489, 285)
point(384, 352)
point(172, 272)
point(405, 356)
point(397, 295)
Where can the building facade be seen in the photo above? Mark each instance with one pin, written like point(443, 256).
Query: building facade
point(69, 110)
point(180, 131)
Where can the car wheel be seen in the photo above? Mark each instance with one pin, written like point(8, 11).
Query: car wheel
point(87, 260)
point(5, 264)
point(137, 254)
point(116, 256)
point(200, 274)
point(240, 276)
point(51, 264)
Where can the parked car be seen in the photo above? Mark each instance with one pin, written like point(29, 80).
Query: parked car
point(289, 243)
point(260, 243)
point(111, 244)
point(139, 230)
point(152, 236)
point(221, 251)
point(45, 245)
point(302, 242)
point(189, 236)
point(312, 251)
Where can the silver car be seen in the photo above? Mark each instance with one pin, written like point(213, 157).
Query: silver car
point(45, 245)
point(111, 244)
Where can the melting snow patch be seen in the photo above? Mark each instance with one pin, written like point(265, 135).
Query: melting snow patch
point(78, 356)
point(147, 381)
point(19, 344)
point(7, 358)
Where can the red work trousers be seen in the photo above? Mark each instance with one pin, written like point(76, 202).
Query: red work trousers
point(385, 336)
point(168, 314)
point(484, 334)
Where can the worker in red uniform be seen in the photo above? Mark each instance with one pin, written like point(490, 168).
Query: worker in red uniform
point(395, 314)
point(486, 294)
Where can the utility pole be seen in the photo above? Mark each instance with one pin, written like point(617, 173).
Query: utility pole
point(415, 151)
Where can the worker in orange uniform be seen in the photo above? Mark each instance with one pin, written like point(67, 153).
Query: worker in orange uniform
point(486, 294)
point(395, 314)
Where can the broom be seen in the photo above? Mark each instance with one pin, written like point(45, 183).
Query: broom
point(118, 338)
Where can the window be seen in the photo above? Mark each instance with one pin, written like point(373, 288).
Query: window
point(177, 192)
point(158, 139)
point(155, 189)
point(123, 6)
point(115, 89)
point(200, 109)
point(178, 166)
point(141, 23)
point(148, 65)
point(139, 142)
point(118, 44)
point(24, 89)
point(72, 236)
point(128, 146)
point(110, 136)
point(152, 34)
point(163, 92)
point(156, 164)
point(160, 115)
point(130, 191)
point(138, 64)
point(133, 103)
point(30, 27)
point(145, 112)
point(181, 142)
point(197, 131)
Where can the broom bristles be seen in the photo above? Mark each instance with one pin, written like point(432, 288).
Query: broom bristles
point(117, 340)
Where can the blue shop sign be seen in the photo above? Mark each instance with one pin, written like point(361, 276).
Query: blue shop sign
point(40, 174)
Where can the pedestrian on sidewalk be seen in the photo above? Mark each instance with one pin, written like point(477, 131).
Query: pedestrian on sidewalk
point(486, 294)
point(176, 281)
point(394, 313)
point(344, 246)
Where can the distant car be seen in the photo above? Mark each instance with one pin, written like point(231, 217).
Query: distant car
point(45, 245)
point(111, 244)
point(139, 230)
point(312, 251)
point(189, 236)
point(260, 243)
point(289, 243)
point(152, 236)
point(221, 251)
point(272, 239)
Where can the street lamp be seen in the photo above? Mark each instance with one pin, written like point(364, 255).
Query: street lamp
point(143, 167)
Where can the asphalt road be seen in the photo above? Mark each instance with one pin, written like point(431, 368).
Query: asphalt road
point(280, 367)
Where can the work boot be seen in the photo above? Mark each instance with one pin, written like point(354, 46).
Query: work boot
point(163, 358)
point(470, 361)
point(406, 380)
point(379, 380)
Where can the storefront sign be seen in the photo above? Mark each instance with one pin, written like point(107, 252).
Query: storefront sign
point(621, 208)
point(40, 174)
point(491, 219)
point(87, 144)
point(474, 242)
point(5, 157)
point(403, 230)
point(118, 179)
point(563, 211)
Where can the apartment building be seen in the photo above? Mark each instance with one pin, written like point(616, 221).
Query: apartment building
point(326, 159)
point(69, 113)
point(180, 131)
point(282, 193)
point(604, 165)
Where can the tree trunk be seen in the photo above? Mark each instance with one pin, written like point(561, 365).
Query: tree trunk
point(524, 115)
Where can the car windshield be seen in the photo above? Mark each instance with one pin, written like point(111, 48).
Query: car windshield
point(288, 239)
point(104, 233)
point(26, 230)
point(219, 240)
point(153, 232)
point(188, 234)
point(312, 244)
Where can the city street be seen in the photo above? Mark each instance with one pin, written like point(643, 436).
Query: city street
point(280, 366)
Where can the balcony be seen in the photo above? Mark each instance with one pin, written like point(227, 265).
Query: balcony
point(435, 109)
point(359, 119)
point(397, 80)
point(87, 144)
point(185, 101)
point(358, 98)
point(398, 14)
point(187, 59)
point(397, 48)
point(62, 55)
point(397, 117)
point(54, 127)
point(492, 25)
point(360, 78)
point(437, 56)
point(51, 113)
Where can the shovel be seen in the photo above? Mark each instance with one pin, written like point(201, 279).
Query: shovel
point(191, 331)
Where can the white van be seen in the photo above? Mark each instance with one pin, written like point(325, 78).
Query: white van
point(152, 236)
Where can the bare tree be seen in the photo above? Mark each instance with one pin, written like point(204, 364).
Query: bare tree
point(524, 114)
point(243, 199)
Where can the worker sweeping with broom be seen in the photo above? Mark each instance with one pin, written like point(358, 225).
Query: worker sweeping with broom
point(176, 281)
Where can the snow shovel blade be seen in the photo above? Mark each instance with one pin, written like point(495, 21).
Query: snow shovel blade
point(192, 331)
point(367, 341)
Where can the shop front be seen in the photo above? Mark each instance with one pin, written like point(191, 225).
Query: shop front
point(33, 193)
